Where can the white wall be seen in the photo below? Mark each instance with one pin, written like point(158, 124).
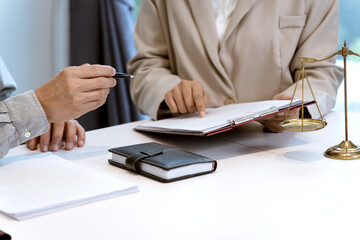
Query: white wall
point(33, 40)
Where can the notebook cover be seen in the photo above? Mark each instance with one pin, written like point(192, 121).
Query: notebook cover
point(169, 159)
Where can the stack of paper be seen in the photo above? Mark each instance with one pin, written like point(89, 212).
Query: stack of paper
point(45, 183)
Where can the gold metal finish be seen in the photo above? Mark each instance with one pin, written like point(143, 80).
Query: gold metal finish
point(346, 150)
point(303, 125)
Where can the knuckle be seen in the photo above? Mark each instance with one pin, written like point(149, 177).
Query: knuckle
point(192, 110)
point(66, 73)
point(102, 93)
point(184, 83)
point(183, 110)
point(190, 105)
point(198, 96)
point(99, 83)
point(98, 103)
point(75, 122)
point(168, 95)
point(176, 91)
point(174, 110)
point(102, 101)
point(71, 123)
point(95, 70)
point(197, 83)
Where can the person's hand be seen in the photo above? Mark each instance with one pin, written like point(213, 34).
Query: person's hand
point(75, 91)
point(273, 122)
point(71, 132)
point(187, 97)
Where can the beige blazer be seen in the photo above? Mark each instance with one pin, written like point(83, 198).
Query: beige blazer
point(257, 59)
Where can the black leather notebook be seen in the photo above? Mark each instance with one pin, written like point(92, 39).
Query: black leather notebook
point(161, 162)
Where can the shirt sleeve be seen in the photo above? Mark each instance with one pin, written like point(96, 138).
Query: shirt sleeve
point(7, 83)
point(21, 118)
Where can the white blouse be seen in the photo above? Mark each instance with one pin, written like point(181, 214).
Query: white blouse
point(223, 10)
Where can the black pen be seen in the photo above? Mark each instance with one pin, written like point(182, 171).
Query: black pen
point(123, 75)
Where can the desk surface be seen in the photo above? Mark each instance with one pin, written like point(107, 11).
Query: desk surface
point(267, 186)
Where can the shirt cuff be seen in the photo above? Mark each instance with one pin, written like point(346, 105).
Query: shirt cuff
point(27, 116)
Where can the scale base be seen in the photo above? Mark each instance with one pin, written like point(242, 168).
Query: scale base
point(346, 150)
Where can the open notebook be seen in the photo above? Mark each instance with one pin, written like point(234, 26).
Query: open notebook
point(35, 184)
point(219, 119)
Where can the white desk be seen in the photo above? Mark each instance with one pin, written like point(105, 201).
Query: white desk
point(267, 186)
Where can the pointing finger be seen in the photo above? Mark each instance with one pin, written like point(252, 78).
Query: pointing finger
point(198, 95)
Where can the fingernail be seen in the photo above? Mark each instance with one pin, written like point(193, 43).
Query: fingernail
point(45, 148)
point(69, 145)
point(80, 143)
point(202, 114)
point(54, 147)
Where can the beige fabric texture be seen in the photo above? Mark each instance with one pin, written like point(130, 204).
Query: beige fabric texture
point(257, 59)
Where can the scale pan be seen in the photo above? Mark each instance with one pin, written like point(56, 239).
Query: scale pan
point(303, 125)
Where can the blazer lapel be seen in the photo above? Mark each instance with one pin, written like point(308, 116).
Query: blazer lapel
point(241, 9)
point(204, 18)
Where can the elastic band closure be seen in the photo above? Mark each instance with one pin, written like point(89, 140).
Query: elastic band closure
point(131, 161)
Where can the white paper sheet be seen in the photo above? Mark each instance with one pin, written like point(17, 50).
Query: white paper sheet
point(43, 183)
point(215, 117)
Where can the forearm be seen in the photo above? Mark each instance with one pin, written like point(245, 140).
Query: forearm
point(154, 75)
point(21, 118)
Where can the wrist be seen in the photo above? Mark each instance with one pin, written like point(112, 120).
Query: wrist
point(40, 96)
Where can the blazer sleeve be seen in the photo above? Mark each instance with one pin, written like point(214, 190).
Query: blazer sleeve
point(319, 39)
point(21, 118)
point(151, 65)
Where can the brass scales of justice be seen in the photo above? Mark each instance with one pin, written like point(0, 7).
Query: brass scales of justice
point(346, 150)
